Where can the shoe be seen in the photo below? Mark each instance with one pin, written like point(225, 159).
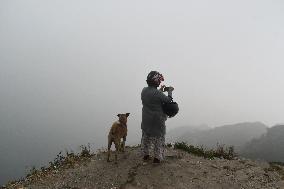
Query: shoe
point(146, 158)
point(156, 160)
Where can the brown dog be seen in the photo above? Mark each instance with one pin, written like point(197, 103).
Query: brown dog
point(117, 132)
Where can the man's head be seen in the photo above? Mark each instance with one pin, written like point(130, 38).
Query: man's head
point(154, 79)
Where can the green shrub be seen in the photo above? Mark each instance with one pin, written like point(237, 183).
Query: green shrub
point(85, 151)
point(220, 152)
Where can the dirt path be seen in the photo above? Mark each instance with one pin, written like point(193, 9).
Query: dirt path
point(180, 170)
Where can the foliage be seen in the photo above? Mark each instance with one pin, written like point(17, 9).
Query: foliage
point(220, 152)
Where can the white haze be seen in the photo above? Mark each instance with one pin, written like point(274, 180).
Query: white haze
point(68, 67)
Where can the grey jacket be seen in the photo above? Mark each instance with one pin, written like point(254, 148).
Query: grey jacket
point(153, 117)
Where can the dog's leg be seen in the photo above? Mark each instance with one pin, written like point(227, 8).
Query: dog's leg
point(123, 144)
point(108, 149)
point(117, 147)
point(120, 145)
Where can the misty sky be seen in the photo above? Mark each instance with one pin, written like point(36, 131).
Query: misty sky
point(73, 65)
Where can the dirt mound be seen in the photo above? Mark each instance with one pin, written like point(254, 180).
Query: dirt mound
point(179, 170)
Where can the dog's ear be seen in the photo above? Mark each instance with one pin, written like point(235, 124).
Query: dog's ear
point(118, 115)
point(127, 114)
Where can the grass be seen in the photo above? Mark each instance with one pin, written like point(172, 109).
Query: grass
point(220, 152)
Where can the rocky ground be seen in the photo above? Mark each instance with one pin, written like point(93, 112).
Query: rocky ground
point(179, 170)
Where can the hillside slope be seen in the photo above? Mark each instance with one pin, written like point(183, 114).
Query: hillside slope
point(180, 170)
point(232, 135)
point(269, 147)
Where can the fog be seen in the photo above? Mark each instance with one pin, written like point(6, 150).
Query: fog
point(68, 67)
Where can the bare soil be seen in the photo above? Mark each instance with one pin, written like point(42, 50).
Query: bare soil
point(179, 170)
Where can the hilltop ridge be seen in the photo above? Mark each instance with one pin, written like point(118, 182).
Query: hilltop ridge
point(179, 170)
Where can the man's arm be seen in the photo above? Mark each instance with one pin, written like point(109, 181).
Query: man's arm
point(165, 98)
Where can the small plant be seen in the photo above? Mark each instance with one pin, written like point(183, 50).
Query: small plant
point(220, 152)
point(169, 145)
point(85, 151)
point(33, 171)
point(225, 152)
point(57, 161)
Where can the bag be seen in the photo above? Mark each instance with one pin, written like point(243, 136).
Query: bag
point(170, 109)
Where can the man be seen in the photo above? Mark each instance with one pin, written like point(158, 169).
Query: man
point(153, 118)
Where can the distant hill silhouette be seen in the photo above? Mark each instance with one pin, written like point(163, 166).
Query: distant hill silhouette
point(235, 135)
point(269, 147)
point(174, 134)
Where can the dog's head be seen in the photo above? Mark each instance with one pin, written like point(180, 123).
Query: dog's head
point(123, 118)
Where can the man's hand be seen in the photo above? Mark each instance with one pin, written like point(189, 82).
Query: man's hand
point(163, 88)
